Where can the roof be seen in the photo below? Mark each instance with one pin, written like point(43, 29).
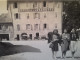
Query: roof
point(5, 18)
point(39, 0)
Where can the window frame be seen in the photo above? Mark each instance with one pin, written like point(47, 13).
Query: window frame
point(28, 26)
point(45, 26)
point(16, 15)
point(36, 15)
point(44, 3)
point(27, 16)
point(18, 27)
point(15, 5)
point(36, 26)
point(34, 4)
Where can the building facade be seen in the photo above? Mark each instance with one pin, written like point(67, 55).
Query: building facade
point(6, 27)
point(35, 18)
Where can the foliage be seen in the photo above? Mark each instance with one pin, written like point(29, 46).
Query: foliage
point(72, 15)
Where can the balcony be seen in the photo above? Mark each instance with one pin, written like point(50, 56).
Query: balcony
point(38, 10)
point(6, 31)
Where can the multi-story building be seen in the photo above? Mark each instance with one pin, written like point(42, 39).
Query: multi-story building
point(6, 27)
point(35, 17)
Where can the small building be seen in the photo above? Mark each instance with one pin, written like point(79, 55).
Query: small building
point(35, 18)
point(6, 27)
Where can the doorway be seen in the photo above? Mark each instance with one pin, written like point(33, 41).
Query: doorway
point(30, 35)
point(18, 37)
point(4, 36)
point(37, 34)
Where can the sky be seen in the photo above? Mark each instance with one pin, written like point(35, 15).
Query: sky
point(3, 6)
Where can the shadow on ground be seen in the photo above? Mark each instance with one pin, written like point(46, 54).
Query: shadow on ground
point(68, 57)
point(10, 49)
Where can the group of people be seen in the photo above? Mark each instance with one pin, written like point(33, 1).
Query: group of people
point(67, 41)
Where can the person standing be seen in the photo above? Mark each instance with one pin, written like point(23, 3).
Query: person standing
point(64, 45)
point(55, 41)
point(73, 45)
point(50, 37)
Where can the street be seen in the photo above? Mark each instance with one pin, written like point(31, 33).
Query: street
point(34, 50)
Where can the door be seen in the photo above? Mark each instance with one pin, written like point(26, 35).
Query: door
point(37, 34)
point(30, 36)
point(18, 38)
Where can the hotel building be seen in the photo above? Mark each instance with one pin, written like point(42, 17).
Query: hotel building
point(35, 18)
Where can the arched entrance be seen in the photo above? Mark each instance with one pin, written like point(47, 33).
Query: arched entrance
point(24, 36)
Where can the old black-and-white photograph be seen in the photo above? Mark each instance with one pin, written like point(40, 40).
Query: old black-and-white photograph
point(39, 30)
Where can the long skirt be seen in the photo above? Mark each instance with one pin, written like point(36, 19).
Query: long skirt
point(73, 46)
point(64, 46)
point(55, 46)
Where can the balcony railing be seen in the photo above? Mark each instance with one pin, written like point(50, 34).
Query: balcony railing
point(40, 10)
point(6, 31)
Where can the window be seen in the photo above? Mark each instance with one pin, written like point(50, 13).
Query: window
point(36, 27)
point(34, 4)
point(58, 5)
point(16, 16)
point(44, 4)
point(18, 27)
point(36, 15)
point(45, 26)
point(0, 27)
point(26, 4)
point(15, 5)
point(44, 15)
point(56, 14)
point(6, 26)
point(19, 15)
point(27, 16)
point(28, 27)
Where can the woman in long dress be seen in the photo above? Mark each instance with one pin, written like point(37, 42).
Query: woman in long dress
point(65, 44)
point(55, 41)
point(74, 38)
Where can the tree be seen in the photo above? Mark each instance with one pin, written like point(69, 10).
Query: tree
point(72, 15)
